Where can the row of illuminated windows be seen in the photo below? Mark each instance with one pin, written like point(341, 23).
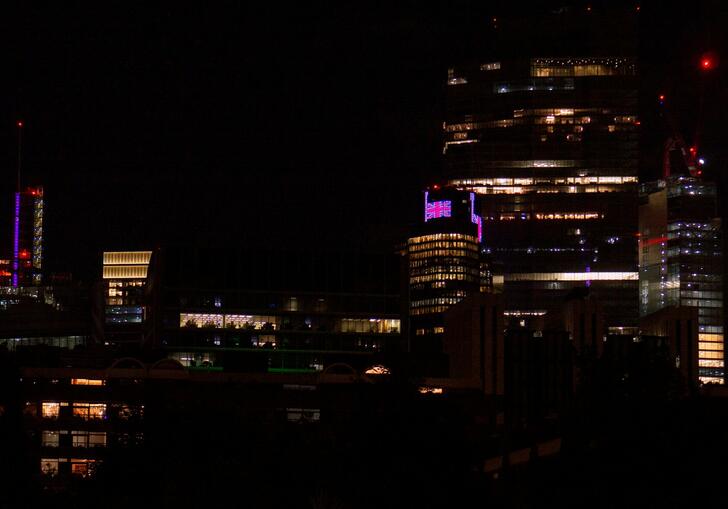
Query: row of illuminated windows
point(546, 190)
point(428, 267)
point(125, 272)
point(452, 271)
point(220, 321)
point(124, 284)
point(271, 322)
point(528, 181)
point(581, 67)
point(434, 330)
point(708, 363)
point(80, 467)
point(424, 239)
point(450, 301)
point(85, 411)
point(450, 244)
point(548, 119)
point(703, 345)
point(68, 342)
point(442, 278)
point(87, 381)
point(370, 325)
point(557, 112)
point(550, 216)
point(712, 380)
point(78, 438)
point(427, 310)
point(127, 257)
point(460, 253)
point(710, 354)
point(449, 272)
point(710, 337)
point(573, 276)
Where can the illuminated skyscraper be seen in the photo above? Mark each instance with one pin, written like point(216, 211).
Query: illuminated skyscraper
point(27, 243)
point(681, 260)
point(444, 263)
point(124, 273)
point(546, 135)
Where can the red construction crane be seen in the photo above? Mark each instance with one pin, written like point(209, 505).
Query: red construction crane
point(675, 143)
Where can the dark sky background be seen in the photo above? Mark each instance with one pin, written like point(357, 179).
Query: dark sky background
point(280, 124)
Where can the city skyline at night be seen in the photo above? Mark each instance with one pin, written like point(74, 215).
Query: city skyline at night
point(364, 255)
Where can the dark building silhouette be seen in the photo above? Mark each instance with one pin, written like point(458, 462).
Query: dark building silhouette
point(539, 377)
point(680, 326)
point(473, 341)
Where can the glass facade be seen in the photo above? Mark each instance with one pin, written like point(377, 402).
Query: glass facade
point(550, 147)
point(681, 260)
point(255, 311)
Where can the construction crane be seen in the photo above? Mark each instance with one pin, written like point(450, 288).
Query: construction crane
point(677, 155)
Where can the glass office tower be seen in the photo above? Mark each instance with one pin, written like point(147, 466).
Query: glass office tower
point(681, 260)
point(546, 135)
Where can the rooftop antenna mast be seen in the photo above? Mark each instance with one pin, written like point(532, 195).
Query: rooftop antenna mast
point(19, 124)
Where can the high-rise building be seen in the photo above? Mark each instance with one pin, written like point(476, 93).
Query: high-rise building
point(124, 273)
point(681, 260)
point(546, 134)
point(445, 263)
point(27, 244)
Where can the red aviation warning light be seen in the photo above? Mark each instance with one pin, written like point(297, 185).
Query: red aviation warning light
point(19, 123)
point(708, 61)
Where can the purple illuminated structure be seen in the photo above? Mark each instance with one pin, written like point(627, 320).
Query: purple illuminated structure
point(27, 238)
point(475, 218)
point(16, 239)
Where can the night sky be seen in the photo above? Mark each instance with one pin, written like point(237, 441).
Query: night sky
point(279, 125)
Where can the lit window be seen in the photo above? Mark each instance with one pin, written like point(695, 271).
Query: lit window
point(88, 438)
point(49, 466)
point(378, 370)
point(492, 66)
point(89, 411)
point(83, 467)
point(430, 390)
point(573, 276)
point(50, 410)
point(50, 439)
point(439, 330)
point(87, 381)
